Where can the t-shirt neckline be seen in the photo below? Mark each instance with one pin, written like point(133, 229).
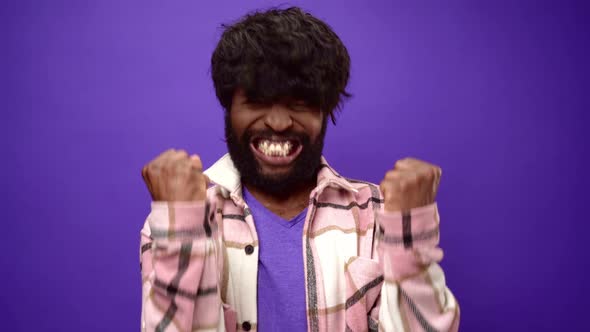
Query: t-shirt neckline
point(255, 205)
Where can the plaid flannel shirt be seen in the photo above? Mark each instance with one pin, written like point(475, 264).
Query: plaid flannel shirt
point(365, 269)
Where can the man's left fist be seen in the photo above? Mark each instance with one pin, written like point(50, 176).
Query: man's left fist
point(412, 183)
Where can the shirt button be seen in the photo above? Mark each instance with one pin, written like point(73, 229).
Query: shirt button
point(249, 250)
point(246, 326)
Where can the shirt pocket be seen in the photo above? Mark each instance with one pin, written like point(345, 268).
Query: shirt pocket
point(364, 279)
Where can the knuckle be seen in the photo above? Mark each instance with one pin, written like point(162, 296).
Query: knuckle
point(429, 175)
point(170, 165)
point(404, 162)
point(391, 174)
point(179, 166)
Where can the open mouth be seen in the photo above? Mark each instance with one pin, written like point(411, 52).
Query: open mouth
point(276, 151)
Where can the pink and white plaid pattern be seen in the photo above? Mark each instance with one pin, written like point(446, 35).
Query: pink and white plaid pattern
point(365, 269)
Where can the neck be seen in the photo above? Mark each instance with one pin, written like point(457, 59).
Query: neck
point(285, 206)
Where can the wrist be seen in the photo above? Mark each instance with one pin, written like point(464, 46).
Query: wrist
point(179, 219)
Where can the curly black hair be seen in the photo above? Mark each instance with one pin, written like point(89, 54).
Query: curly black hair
point(281, 53)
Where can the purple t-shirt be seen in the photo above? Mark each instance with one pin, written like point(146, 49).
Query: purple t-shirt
point(281, 282)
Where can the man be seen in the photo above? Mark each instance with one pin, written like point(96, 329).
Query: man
point(281, 241)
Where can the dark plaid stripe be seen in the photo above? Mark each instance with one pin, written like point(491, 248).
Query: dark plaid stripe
point(346, 207)
point(419, 317)
point(376, 193)
point(311, 289)
point(206, 220)
point(362, 291)
point(330, 169)
point(407, 229)
point(146, 247)
point(164, 233)
point(357, 181)
point(423, 236)
point(172, 289)
point(167, 317)
point(206, 291)
point(373, 324)
point(234, 216)
point(194, 232)
point(312, 295)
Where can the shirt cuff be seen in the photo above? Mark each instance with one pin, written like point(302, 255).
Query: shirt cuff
point(180, 220)
point(417, 228)
point(407, 242)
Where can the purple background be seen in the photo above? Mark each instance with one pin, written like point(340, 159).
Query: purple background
point(496, 93)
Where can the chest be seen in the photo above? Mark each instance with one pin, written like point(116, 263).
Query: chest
point(329, 237)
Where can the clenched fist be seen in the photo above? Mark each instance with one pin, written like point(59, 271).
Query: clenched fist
point(412, 183)
point(175, 176)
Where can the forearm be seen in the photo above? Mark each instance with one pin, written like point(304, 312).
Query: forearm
point(179, 268)
point(414, 296)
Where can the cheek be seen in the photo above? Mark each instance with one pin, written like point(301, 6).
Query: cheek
point(311, 123)
point(243, 120)
point(238, 124)
point(316, 127)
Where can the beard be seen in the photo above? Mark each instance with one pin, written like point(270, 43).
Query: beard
point(303, 170)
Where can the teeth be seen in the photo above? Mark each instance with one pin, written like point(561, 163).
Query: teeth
point(275, 149)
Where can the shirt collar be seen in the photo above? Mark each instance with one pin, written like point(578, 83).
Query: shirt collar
point(224, 174)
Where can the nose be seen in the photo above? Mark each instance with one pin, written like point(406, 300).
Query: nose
point(278, 118)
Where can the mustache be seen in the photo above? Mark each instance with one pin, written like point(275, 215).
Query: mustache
point(271, 134)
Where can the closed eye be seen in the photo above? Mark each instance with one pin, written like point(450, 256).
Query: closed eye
point(299, 107)
point(252, 104)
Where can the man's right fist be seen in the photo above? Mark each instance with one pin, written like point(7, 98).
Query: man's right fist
point(176, 176)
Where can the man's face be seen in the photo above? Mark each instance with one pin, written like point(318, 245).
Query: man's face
point(275, 146)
